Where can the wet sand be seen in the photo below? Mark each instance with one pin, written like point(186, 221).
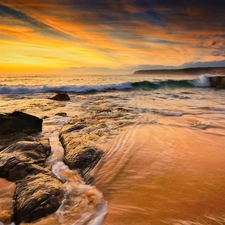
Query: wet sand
point(6, 204)
point(174, 175)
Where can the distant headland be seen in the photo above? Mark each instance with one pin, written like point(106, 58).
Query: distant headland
point(188, 71)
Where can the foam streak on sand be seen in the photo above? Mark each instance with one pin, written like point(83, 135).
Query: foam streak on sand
point(83, 204)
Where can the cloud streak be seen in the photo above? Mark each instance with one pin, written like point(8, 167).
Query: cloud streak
point(112, 34)
point(16, 18)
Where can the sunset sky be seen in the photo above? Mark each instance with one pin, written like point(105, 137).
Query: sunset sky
point(83, 37)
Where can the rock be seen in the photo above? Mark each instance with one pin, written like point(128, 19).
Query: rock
point(83, 159)
point(24, 158)
point(9, 139)
point(61, 114)
point(217, 82)
point(82, 136)
point(19, 122)
point(36, 197)
point(80, 154)
point(38, 193)
point(61, 97)
point(68, 128)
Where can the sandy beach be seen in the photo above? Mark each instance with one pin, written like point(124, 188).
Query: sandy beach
point(160, 142)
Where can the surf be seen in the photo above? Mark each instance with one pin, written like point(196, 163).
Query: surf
point(144, 85)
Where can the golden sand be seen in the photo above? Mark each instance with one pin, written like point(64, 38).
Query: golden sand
point(175, 175)
point(6, 204)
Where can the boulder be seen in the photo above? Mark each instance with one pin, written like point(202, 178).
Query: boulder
point(217, 82)
point(38, 193)
point(24, 158)
point(36, 197)
point(61, 97)
point(83, 159)
point(9, 139)
point(19, 122)
point(81, 154)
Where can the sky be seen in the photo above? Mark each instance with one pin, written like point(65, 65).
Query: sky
point(109, 37)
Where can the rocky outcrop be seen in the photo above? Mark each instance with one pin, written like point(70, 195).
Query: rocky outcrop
point(217, 82)
point(81, 153)
point(24, 158)
point(61, 97)
point(9, 139)
point(19, 122)
point(82, 158)
point(36, 197)
point(190, 71)
point(38, 192)
point(81, 136)
point(78, 155)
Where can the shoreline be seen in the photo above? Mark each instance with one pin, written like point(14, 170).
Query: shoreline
point(114, 123)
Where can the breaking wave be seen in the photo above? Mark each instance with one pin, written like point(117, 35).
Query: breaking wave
point(202, 81)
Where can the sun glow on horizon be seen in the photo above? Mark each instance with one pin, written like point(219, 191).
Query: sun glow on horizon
point(40, 37)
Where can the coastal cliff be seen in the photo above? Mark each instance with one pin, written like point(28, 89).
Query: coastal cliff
point(188, 71)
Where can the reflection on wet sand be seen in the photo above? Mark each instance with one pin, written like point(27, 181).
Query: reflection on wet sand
point(175, 175)
point(6, 204)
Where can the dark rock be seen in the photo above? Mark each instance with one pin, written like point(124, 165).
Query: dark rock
point(61, 97)
point(72, 128)
point(83, 159)
point(82, 135)
point(217, 82)
point(19, 122)
point(9, 139)
point(191, 71)
point(38, 193)
point(61, 114)
point(23, 158)
point(80, 153)
point(36, 197)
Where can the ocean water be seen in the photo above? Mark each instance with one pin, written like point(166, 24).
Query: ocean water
point(163, 138)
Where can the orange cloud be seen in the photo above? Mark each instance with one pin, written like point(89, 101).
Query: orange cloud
point(55, 35)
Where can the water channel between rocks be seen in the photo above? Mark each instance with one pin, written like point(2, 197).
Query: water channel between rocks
point(82, 204)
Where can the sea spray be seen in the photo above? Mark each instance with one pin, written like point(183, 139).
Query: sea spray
point(83, 204)
point(203, 81)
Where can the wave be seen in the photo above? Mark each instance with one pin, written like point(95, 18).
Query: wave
point(202, 81)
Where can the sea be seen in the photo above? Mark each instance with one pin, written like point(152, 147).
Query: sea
point(163, 138)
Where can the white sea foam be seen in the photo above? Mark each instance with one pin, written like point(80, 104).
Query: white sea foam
point(88, 206)
point(21, 89)
point(84, 203)
point(203, 80)
point(168, 113)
